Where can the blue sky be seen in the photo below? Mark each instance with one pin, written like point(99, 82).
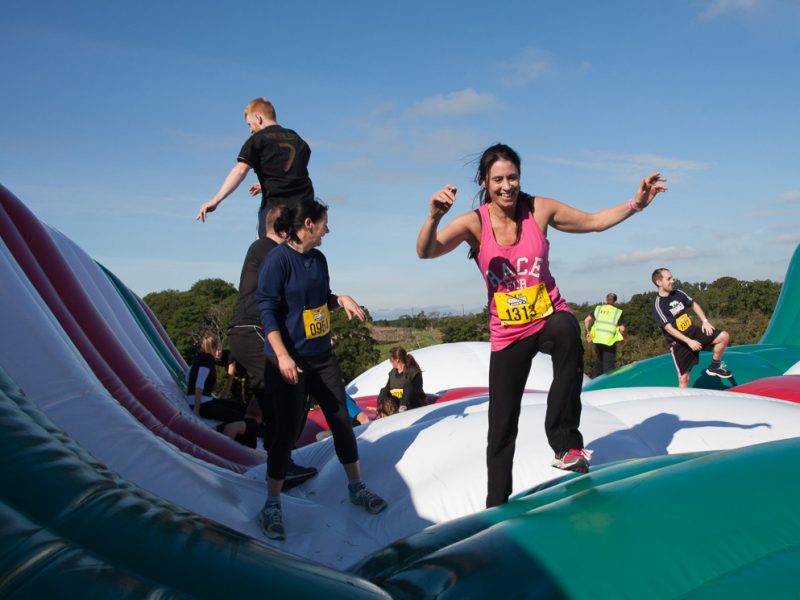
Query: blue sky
point(118, 119)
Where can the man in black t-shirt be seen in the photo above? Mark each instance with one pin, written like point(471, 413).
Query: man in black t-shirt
point(279, 157)
point(685, 340)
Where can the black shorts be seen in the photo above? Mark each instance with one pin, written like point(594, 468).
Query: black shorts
point(685, 358)
point(250, 435)
point(270, 201)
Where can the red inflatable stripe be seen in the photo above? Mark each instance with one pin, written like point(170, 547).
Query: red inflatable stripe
point(782, 387)
point(39, 257)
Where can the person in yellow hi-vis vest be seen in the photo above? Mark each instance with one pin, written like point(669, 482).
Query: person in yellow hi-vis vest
point(608, 329)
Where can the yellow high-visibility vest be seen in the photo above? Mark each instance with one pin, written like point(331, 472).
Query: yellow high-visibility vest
point(605, 329)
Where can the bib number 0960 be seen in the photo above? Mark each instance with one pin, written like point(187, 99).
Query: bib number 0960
point(317, 321)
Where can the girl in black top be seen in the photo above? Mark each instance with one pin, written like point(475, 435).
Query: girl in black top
point(404, 387)
point(201, 381)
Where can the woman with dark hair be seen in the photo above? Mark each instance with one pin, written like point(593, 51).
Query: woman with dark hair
point(403, 390)
point(295, 300)
point(507, 237)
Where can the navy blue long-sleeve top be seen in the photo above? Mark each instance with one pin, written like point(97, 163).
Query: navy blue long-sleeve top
point(288, 284)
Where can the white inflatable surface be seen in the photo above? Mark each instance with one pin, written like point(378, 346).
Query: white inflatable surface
point(110, 305)
point(428, 463)
point(447, 366)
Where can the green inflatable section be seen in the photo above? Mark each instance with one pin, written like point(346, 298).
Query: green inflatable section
point(784, 327)
point(73, 529)
point(748, 363)
point(132, 302)
point(778, 349)
point(704, 525)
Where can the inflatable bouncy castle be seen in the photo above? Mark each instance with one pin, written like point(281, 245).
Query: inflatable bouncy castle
point(111, 487)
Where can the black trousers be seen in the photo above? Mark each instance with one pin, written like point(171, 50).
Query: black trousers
point(222, 410)
point(604, 359)
point(247, 348)
point(508, 372)
point(321, 377)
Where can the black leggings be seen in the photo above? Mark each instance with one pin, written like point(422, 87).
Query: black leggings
point(321, 377)
point(508, 372)
point(247, 347)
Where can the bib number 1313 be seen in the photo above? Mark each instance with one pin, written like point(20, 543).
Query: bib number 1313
point(523, 306)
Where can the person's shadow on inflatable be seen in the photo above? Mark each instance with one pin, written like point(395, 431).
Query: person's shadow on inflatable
point(707, 382)
point(651, 437)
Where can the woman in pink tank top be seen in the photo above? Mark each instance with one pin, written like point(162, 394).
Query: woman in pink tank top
point(507, 237)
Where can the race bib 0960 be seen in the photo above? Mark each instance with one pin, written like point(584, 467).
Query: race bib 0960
point(317, 321)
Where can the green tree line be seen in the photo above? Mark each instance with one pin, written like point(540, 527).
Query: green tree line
point(208, 307)
point(743, 308)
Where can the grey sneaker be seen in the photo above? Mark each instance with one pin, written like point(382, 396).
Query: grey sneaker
point(719, 371)
point(371, 502)
point(271, 521)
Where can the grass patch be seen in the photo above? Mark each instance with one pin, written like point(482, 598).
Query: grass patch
point(410, 339)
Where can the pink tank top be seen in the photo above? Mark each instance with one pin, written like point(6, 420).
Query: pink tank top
point(522, 292)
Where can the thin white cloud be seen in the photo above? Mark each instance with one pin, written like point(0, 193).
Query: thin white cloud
point(720, 8)
point(644, 256)
point(455, 103)
point(653, 161)
point(629, 165)
point(791, 196)
point(637, 257)
point(383, 108)
point(529, 65)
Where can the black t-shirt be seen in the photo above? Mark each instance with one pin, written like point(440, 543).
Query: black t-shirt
point(280, 159)
point(245, 311)
point(671, 310)
point(397, 381)
point(207, 361)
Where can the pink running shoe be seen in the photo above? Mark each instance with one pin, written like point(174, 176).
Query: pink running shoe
point(573, 460)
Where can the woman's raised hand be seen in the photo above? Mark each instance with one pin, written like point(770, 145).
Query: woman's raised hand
point(649, 187)
point(442, 201)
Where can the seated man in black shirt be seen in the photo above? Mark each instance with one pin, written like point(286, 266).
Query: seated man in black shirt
point(685, 340)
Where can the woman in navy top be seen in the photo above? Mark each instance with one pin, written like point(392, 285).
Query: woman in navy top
point(295, 301)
